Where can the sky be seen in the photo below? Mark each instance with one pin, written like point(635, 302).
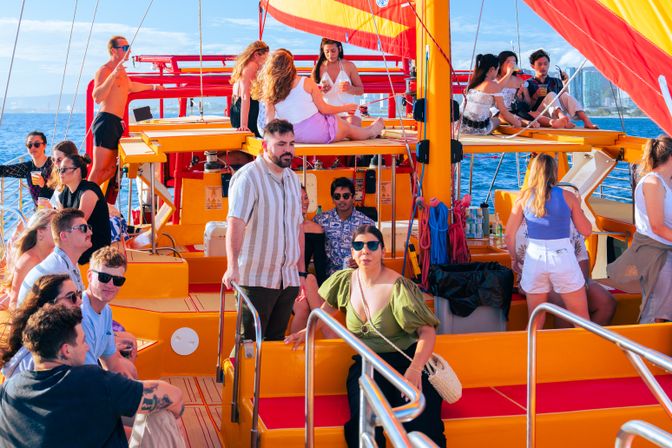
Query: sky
point(171, 27)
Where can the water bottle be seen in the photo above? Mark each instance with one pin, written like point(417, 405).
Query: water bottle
point(486, 218)
point(319, 210)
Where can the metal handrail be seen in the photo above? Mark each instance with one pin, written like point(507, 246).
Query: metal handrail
point(633, 428)
point(633, 351)
point(373, 407)
point(243, 299)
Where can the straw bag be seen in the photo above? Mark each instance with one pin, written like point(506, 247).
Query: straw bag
point(439, 373)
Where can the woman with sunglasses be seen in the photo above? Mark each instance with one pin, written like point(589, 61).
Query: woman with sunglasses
point(14, 357)
point(33, 245)
point(377, 300)
point(35, 171)
point(86, 196)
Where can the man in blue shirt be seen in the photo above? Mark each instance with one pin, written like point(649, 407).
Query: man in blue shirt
point(72, 236)
point(340, 222)
point(106, 276)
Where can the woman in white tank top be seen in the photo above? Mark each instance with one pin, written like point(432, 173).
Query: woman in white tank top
point(338, 78)
point(653, 218)
point(299, 100)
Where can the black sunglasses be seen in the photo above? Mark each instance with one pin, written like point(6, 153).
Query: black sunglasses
point(371, 245)
point(82, 228)
point(72, 296)
point(34, 145)
point(346, 196)
point(124, 47)
point(66, 169)
point(104, 277)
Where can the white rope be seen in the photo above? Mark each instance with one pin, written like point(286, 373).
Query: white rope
point(65, 69)
point(200, 52)
point(81, 70)
point(11, 62)
point(518, 28)
point(142, 21)
point(557, 98)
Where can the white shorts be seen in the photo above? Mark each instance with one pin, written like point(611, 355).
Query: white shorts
point(550, 265)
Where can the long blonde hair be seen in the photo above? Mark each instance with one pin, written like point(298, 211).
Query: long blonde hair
point(656, 152)
point(276, 77)
point(543, 177)
point(257, 47)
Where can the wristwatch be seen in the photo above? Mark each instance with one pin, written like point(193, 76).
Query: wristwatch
point(303, 274)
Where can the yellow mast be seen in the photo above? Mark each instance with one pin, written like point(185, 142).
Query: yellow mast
point(435, 14)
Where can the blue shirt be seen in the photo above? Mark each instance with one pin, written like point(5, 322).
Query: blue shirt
point(97, 331)
point(339, 236)
point(56, 262)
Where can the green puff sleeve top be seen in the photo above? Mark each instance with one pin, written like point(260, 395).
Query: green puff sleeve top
point(398, 321)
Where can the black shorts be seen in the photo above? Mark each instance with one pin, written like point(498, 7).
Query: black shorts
point(107, 130)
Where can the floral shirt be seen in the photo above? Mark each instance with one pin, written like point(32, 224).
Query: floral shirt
point(339, 236)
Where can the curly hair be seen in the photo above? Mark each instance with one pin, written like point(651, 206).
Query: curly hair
point(276, 77)
point(257, 47)
point(49, 328)
point(45, 290)
point(109, 257)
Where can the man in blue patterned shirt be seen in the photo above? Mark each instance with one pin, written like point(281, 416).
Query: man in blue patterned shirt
point(340, 222)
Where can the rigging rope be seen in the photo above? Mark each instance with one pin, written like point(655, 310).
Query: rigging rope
point(81, 70)
point(424, 241)
point(200, 52)
point(262, 26)
point(11, 61)
point(65, 69)
point(519, 56)
point(438, 229)
point(617, 99)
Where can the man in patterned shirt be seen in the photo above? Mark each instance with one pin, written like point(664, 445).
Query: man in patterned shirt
point(340, 222)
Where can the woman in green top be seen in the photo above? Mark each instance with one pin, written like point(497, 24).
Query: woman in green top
point(398, 311)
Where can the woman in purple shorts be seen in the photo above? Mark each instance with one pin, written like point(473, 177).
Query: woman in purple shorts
point(300, 101)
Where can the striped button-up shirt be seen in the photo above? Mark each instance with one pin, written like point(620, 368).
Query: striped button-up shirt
point(270, 206)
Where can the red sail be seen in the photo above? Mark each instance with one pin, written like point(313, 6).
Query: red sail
point(357, 22)
point(629, 42)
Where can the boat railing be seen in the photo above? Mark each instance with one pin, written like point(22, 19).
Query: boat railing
point(12, 200)
point(638, 428)
point(617, 185)
point(242, 301)
point(374, 409)
point(632, 350)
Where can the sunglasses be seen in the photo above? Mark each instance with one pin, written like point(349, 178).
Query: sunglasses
point(72, 296)
point(124, 47)
point(346, 196)
point(371, 245)
point(104, 277)
point(66, 169)
point(34, 145)
point(82, 228)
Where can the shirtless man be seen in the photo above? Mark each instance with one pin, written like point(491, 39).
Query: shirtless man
point(111, 89)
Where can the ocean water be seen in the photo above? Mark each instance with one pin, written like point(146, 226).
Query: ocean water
point(14, 128)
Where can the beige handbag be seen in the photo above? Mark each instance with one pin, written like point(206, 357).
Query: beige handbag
point(439, 372)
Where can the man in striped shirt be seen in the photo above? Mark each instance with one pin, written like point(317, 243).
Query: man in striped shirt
point(264, 237)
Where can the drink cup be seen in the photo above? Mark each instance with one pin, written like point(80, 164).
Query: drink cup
point(35, 176)
point(543, 89)
point(343, 86)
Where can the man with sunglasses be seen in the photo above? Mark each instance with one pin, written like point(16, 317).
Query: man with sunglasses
point(35, 171)
point(72, 237)
point(105, 277)
point(340, 222)
point(110, 90)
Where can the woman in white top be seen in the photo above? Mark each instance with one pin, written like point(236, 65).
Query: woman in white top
point(482, 94)
point(338, 78)
point(516, 99)
point(298, 100)
point(653, 218)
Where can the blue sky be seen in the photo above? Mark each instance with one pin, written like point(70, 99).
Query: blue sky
point(171, 27)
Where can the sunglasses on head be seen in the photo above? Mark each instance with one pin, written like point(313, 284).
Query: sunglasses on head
point(104, 277)
point(34, 145)
point(371, 245)
point(72, 296)
point(346, 196)
point(124, 47)
point(82, 228)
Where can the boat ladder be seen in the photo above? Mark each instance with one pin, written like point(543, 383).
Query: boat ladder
point(633, 351)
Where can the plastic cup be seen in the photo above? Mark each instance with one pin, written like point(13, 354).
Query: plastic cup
point(343, 85)
point(35, 176)
point(543, 89)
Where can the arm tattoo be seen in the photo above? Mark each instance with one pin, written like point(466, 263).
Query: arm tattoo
point(151, 401)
